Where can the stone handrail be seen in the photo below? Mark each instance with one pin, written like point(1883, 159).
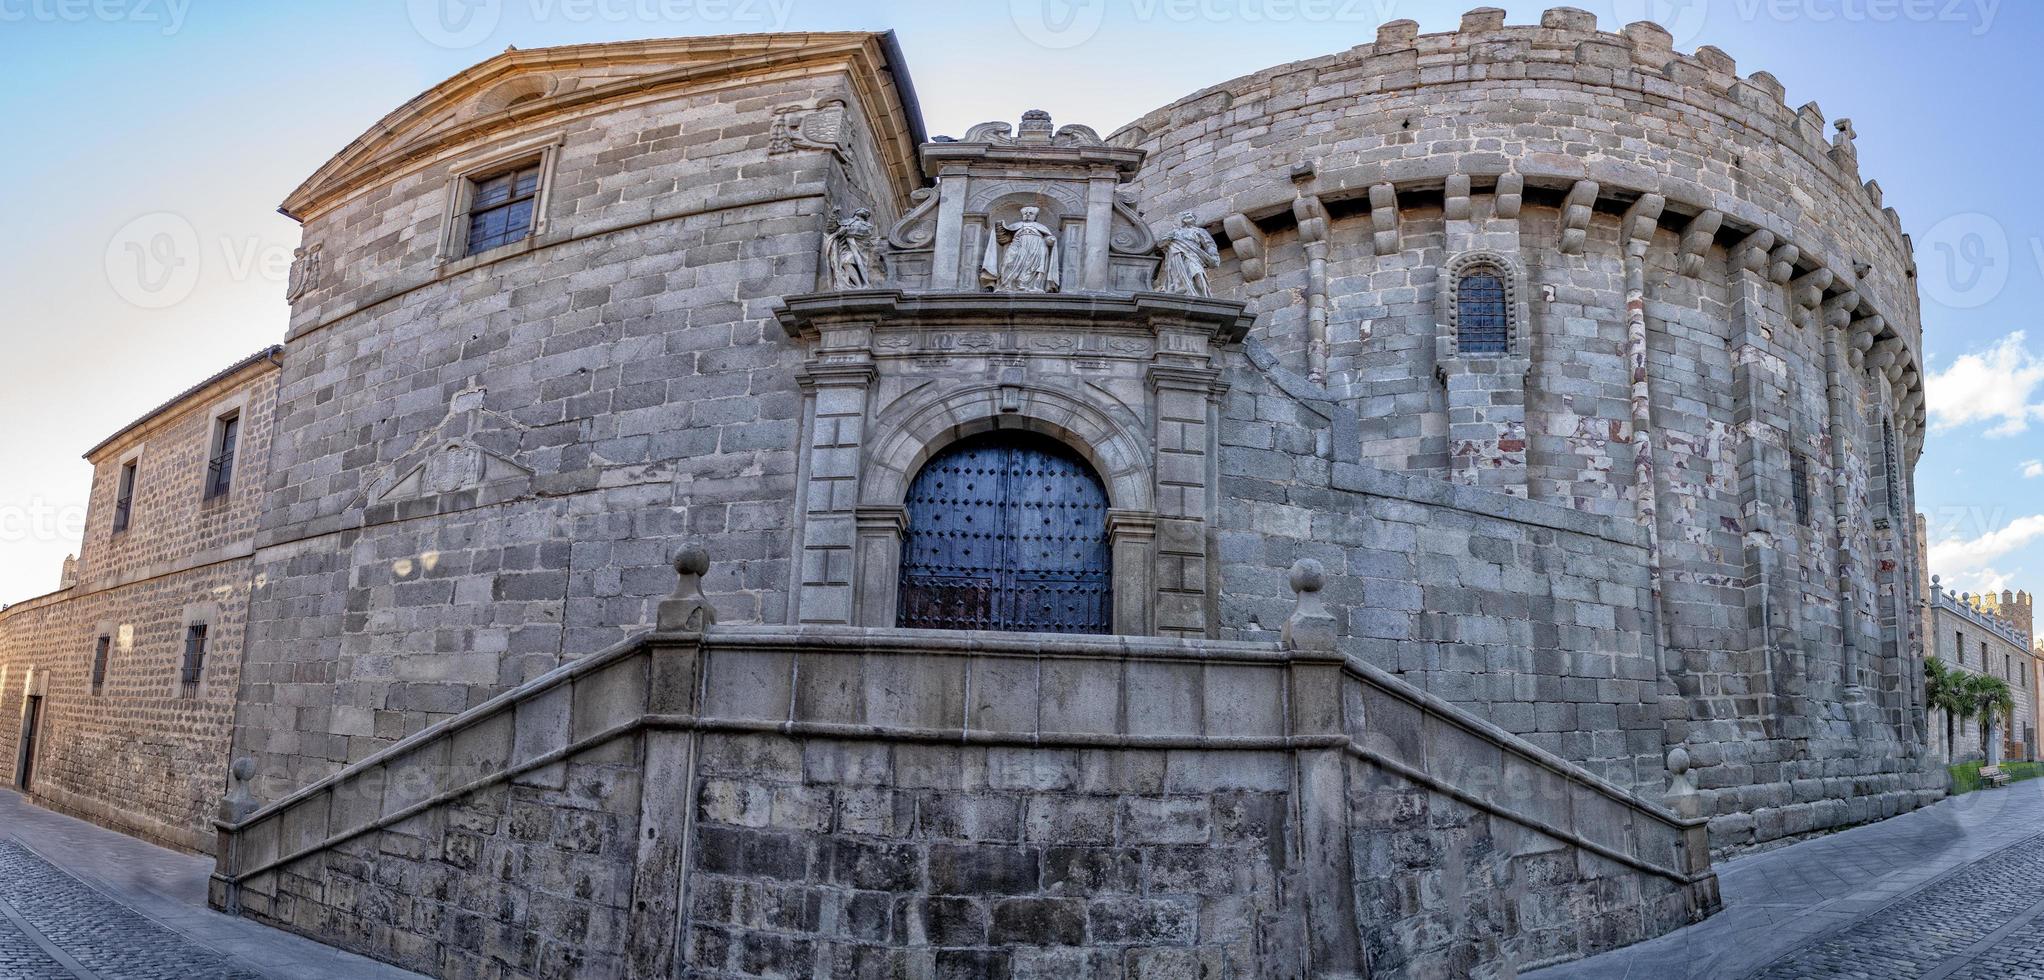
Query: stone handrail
point(1032, 690)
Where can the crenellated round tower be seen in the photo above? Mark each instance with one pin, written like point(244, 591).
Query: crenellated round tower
point(1581, 268)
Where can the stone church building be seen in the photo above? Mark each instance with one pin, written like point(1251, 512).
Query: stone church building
point(1396, 514)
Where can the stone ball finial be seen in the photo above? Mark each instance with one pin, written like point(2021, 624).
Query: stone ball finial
point(1678, 760)
point(1308, 575)
point(692, 559)
point(242, 770)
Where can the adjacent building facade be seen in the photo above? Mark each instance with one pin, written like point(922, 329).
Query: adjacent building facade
point(1481, 461)
point(121, 687)
point(1988, 635)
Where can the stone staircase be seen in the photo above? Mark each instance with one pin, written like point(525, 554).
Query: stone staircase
point(754, 800)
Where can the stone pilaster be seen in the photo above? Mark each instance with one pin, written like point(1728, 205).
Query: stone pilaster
point(837, 385)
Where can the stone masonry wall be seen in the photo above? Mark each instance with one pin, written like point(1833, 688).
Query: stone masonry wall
point(623, 382)
point(1536, 617)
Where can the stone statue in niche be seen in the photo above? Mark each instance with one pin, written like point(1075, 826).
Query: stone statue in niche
point(1188, 253)
point(1028, 263)
point(851, 252)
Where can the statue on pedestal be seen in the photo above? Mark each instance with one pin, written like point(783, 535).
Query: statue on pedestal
point(851, 252)
point(1029, 264)
point(1188, 253)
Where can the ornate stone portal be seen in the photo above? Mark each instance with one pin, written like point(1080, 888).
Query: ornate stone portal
point(1020, 301)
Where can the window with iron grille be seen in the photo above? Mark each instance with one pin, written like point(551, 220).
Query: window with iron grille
point(100, 652)
point(1482, 314)
point(500, 207)
point(195, 660)
point(220, 469)
point(1799, 486)
point(124, 498)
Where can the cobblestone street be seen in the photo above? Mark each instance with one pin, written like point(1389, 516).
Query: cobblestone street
point(1949, 892)
point(77, 901)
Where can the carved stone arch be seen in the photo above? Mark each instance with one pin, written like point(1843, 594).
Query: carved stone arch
point(906, 438)
point(515, 91)
point(1005, 200)
point(1448, 303)
point(904, 441)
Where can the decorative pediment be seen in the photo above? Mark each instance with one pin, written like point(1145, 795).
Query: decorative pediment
point(525, 89)
point(1033, 209)
point(1036, 131)
point(454, 466)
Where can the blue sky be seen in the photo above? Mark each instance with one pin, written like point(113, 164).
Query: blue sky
point(153, 139)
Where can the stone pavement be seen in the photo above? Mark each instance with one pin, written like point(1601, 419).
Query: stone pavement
point(80, 901)
point(1949, 891)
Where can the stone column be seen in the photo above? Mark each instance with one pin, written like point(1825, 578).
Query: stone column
point(1760, 393)
point(1841, 424)
point(1635, 231)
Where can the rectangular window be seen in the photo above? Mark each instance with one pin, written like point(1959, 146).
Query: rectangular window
point(1799, 486)
point(220, 469)
point(100, 651)
point(500, 207)
point(1959, 645)
point(195, 660)
point(124, 497)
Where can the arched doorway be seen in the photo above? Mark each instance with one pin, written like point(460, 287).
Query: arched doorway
point(1007, 530)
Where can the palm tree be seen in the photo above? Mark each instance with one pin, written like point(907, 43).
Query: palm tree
point(1992, 699)
point(1944, 691)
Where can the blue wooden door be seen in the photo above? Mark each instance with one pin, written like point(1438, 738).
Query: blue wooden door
point(1006, 531)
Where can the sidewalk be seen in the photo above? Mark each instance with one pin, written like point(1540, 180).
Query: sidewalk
point(77, 900)
point(1791, 900)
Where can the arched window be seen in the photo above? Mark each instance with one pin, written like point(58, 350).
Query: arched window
point(1007, 531)
point(1480, 306)
point(1483, 322)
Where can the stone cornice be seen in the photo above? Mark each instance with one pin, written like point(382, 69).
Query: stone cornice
point(1225, 320)
point(405, 139)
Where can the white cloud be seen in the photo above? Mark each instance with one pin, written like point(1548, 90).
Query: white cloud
point(1998, 385)
point(2032, 468)
point(1981, 582)
point(1966, 563)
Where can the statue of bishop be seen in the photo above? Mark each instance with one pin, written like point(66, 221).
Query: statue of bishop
point(1188, 253)
point(1029, 264)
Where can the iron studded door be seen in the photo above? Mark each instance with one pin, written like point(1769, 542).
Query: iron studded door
point(1006, 531)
